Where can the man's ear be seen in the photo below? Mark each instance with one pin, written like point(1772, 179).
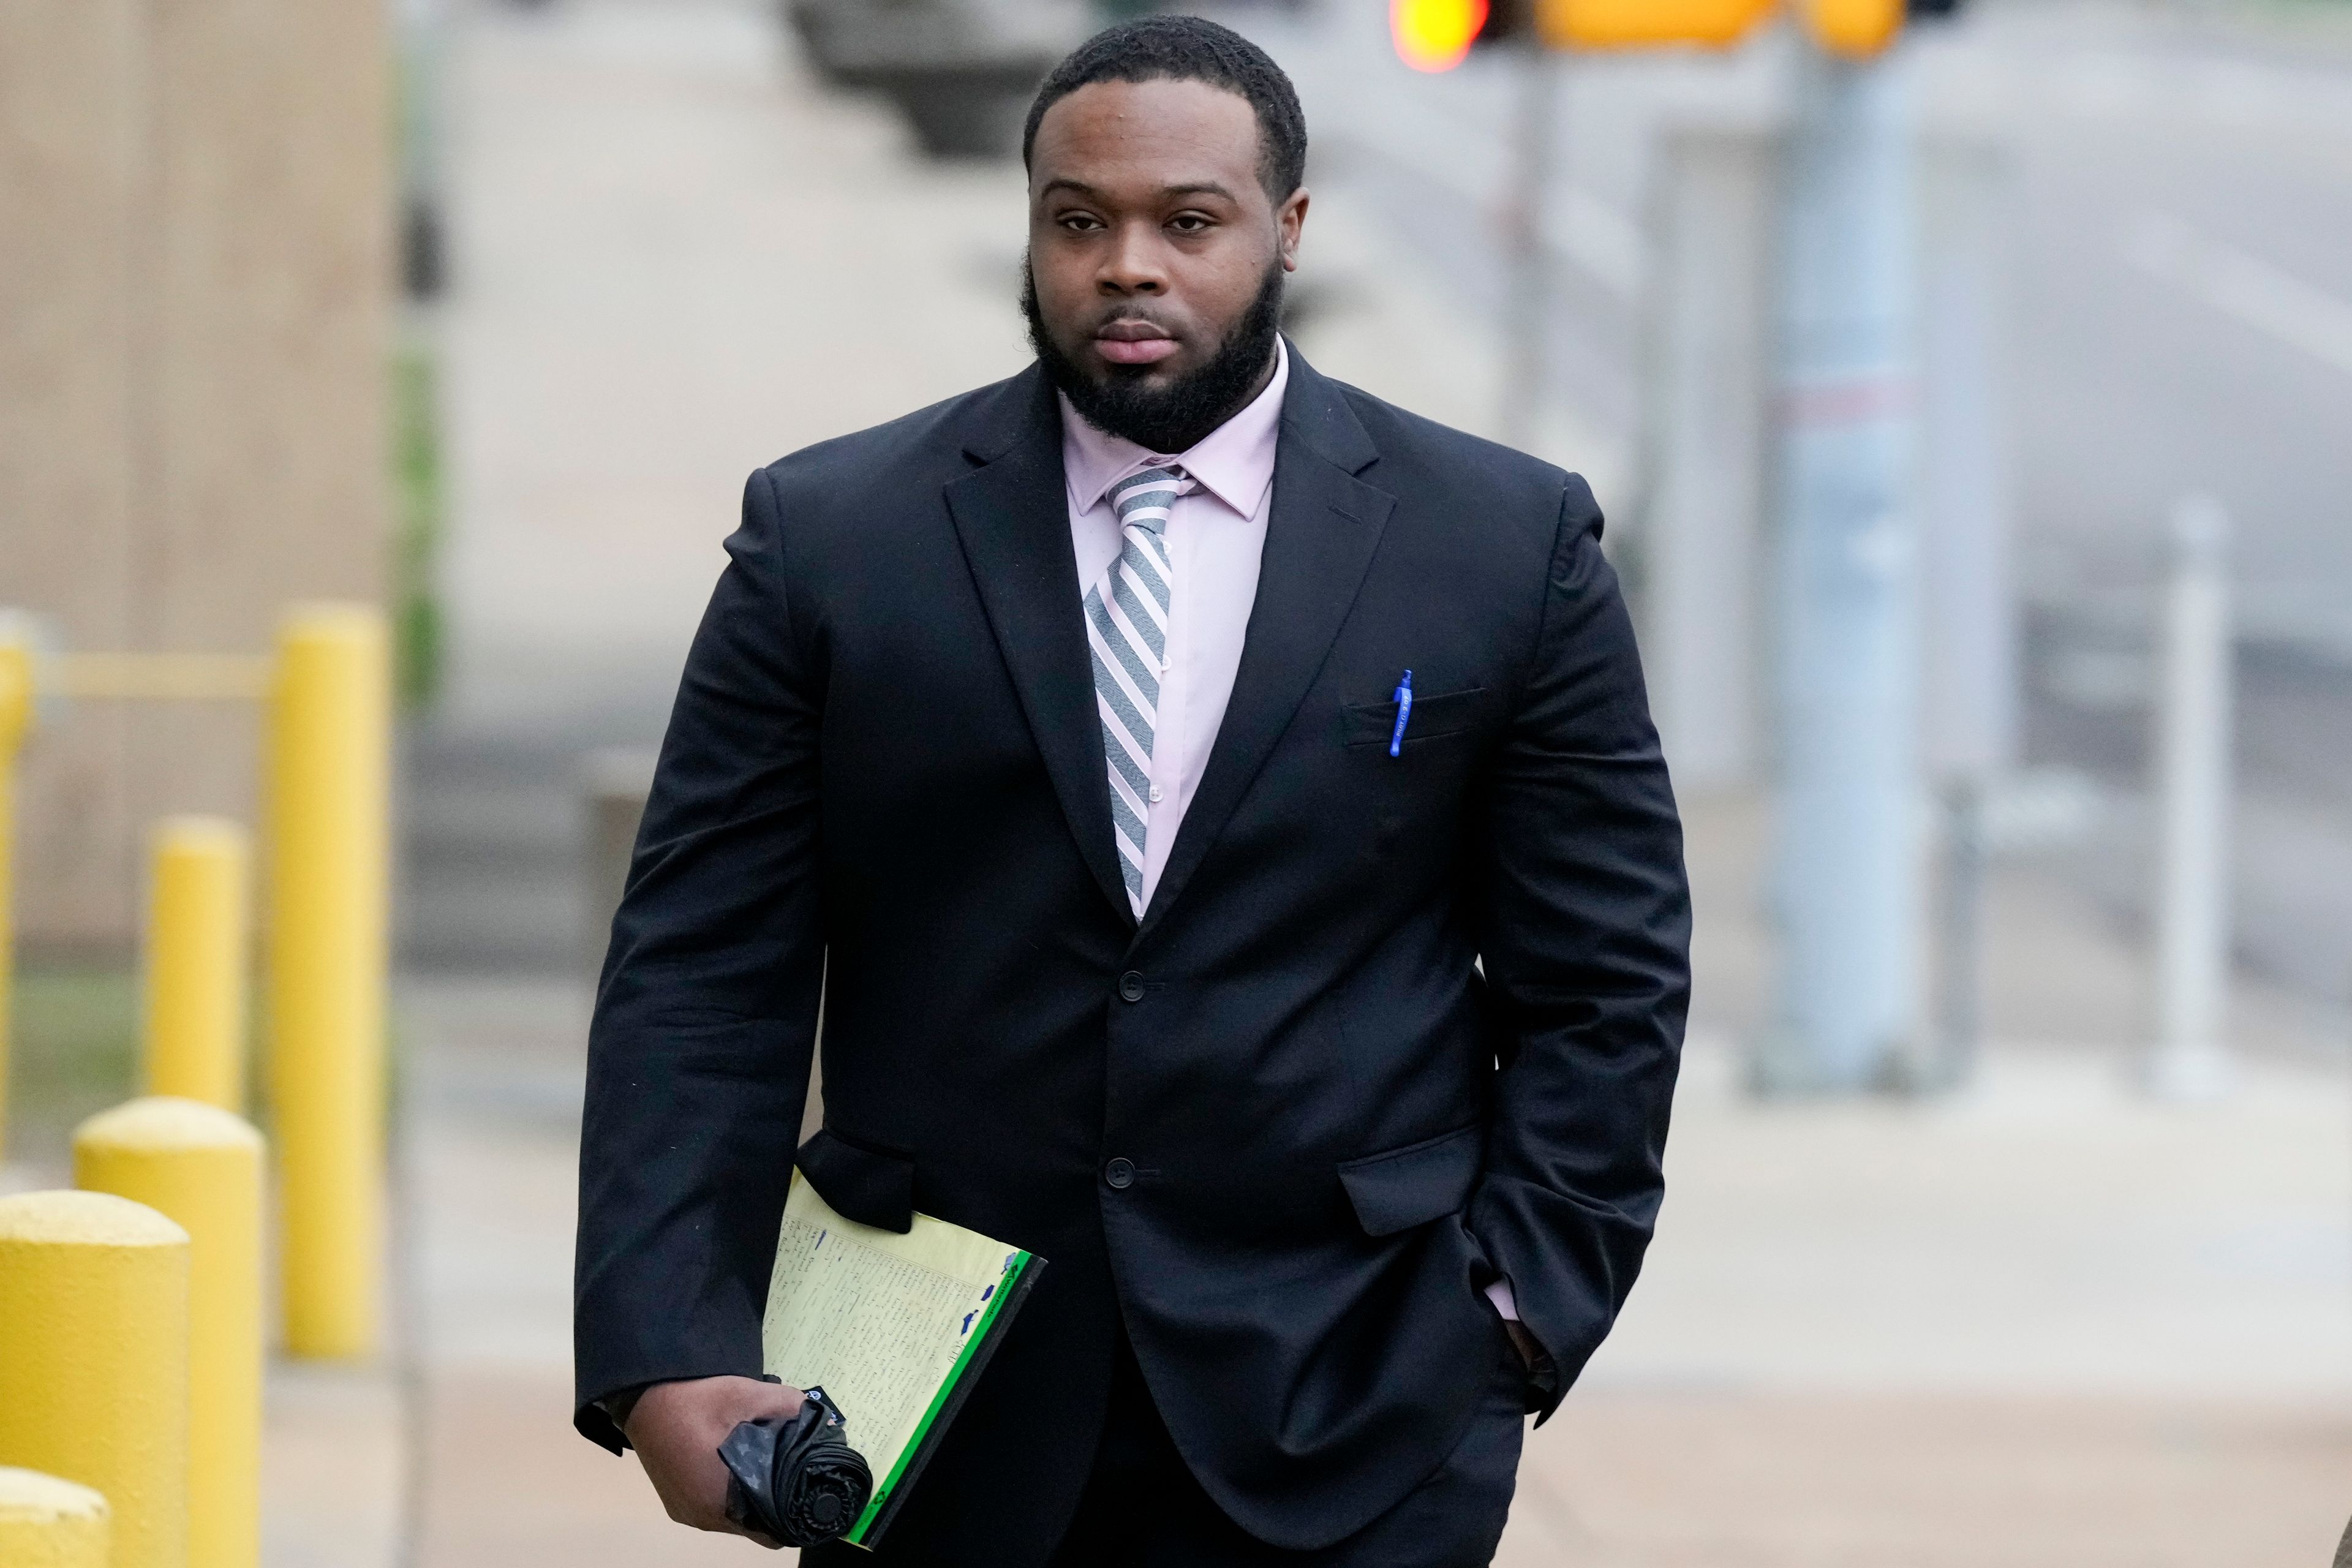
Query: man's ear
point(1290, 219)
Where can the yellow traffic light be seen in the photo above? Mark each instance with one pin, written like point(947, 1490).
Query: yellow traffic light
point(1434, 34)
point(1634, 24)
point(1855, 30)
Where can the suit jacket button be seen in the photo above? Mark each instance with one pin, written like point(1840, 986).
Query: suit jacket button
point(1131, 986)
point(1120, 1173)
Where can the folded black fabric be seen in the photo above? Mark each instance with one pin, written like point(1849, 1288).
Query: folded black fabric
point(797, 1482)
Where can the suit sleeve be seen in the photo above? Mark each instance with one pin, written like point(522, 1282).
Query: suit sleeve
point(705, 1015)
point(1585, 938)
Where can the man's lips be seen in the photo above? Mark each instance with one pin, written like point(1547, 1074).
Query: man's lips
point(1133, 342)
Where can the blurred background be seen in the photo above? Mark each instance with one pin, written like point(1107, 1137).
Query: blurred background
point(1998, 389)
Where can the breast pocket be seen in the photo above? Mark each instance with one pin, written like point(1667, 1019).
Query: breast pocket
point(1433, 718)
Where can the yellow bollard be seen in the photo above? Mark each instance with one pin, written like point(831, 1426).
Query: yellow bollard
point(196, 934)
point(94, 1360)
point(16, 719)
point(328, 855)
point(49, 1523)
point(200, 1166)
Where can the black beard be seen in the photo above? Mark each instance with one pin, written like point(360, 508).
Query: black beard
point(1170, 419)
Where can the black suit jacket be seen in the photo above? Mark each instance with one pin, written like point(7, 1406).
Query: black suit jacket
point(1388, 1028)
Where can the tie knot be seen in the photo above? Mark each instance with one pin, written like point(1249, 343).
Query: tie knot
point(1143, 500)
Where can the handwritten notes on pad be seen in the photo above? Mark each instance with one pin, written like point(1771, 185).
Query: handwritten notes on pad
point(895, 1329)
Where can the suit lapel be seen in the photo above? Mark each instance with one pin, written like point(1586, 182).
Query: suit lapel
point(1013, 515)
point(1321, 538)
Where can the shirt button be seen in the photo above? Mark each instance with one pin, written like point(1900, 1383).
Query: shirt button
point(1155, 795)
point(1131, 986)
point(1120, 1173)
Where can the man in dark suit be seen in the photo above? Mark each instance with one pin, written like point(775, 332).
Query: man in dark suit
point(1322, 1043)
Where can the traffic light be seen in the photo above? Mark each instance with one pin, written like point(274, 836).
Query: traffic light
point(1636, 24)
point(1434, 34)
point(1438, 35)
point(1855, 30)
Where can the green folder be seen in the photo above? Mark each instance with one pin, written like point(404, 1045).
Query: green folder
point(896, 1328)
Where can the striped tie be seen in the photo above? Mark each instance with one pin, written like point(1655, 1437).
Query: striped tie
point(1127, 626)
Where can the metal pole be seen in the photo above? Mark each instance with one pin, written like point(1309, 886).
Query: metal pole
point(1968, 609)
point(16, 719)
point(1960, 967)
point(1849, 875)
point(1527, 310)
point(2193, 791)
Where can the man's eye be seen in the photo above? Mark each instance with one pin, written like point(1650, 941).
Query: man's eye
point(1081, 222)
point(1188, 223)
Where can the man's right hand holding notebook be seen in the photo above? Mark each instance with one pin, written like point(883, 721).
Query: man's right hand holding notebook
point(677, 1428)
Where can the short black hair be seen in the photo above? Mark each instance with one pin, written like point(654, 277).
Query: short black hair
point(1190, 48)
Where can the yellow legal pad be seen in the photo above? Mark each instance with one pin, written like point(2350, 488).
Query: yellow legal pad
point(894, 1328)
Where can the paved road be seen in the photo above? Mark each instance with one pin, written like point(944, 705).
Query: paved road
point(2183, 241)
point(2183, 235)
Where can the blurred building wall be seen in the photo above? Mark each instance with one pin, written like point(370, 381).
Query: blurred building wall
point(195, 298)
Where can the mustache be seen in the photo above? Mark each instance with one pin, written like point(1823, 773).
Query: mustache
point(1131, 312)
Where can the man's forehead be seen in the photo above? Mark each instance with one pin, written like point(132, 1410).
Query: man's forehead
point(1189, 133)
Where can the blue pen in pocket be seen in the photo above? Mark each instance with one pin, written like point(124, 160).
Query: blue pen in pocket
point(1404, 711)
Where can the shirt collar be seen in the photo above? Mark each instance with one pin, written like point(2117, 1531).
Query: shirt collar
point(1234, 462)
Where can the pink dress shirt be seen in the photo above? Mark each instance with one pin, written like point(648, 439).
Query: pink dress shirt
point(1215, 538)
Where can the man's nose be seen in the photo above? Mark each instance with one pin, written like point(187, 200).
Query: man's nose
point(1134, 264)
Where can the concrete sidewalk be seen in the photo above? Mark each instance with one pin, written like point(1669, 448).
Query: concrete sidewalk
point(2043, 1324)
point(2047, 1326)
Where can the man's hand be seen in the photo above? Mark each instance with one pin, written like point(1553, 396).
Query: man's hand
point(1543, 1378)
point(677, 1428)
